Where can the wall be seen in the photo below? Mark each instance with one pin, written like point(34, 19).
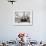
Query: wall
point(38, 30)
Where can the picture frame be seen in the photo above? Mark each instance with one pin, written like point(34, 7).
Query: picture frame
point(23, 18)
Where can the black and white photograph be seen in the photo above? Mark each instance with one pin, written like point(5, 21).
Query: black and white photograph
point(23, 18)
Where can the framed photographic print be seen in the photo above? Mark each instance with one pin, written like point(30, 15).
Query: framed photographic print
point(23, 17)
